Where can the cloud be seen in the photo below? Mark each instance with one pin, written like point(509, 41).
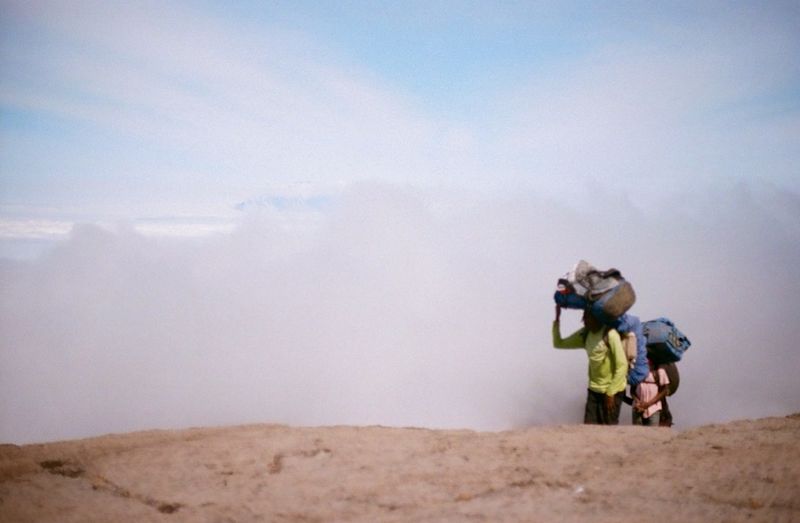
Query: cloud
point(173, 104)
point(33, 229)
point(698, 99)
point(260, 107)
point(402, 307)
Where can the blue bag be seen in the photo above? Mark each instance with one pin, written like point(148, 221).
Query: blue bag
point(570, 300)
point(630, 323)
point(665, 343)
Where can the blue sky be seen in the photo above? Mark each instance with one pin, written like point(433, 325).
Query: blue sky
point(128, 110)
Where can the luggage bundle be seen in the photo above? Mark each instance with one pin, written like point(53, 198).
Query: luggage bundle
point(665, 343)
point(608, 297)
point(605, 293)
point(666, 346)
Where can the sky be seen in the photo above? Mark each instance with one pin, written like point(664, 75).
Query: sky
point(356, 212)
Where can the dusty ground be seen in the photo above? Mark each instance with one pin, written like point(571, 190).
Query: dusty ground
point(742, 471)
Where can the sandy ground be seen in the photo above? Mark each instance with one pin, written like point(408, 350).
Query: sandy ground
point(741, 471)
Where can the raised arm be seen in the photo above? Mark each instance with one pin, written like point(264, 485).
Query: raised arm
point(575, 340)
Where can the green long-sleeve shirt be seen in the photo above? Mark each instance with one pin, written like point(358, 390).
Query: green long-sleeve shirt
point(608, 366)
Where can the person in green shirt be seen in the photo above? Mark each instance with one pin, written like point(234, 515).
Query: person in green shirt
point(608, 367)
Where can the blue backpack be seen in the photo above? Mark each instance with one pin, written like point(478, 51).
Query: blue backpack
point(665, 343)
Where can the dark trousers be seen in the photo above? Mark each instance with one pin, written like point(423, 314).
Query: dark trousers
point(596, 412)
point(666, 414)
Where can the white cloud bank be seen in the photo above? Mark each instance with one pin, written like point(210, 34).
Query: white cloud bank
point(402, 308)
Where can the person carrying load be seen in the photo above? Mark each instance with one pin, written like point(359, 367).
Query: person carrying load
point(608, 366)
point(649, 396)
